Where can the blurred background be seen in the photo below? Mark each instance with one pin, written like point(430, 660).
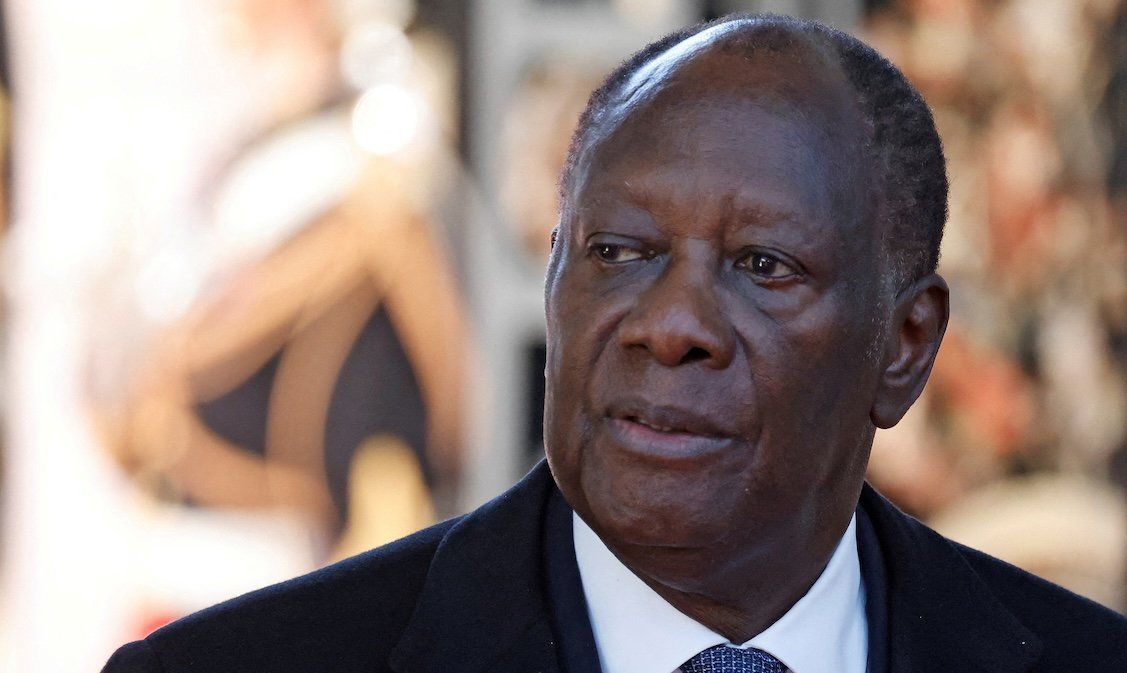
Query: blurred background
point(272, 284)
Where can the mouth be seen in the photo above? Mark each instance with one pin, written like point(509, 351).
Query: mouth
point(651, 426)
point(670, 419)
point(666, 432)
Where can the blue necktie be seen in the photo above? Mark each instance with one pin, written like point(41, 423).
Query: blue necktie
point(724, 659)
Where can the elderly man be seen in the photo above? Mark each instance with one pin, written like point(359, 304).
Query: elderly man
point(741, 290)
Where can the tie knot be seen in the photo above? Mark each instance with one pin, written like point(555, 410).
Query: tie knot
point(724, 659)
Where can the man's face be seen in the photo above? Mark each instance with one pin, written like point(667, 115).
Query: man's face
point(713, 313)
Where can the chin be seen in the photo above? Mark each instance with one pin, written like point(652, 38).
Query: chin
point(657, 545)
point(639, 515)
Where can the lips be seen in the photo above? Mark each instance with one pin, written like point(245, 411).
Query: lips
point(666, 435)
point(651, 426)
point(668, 419)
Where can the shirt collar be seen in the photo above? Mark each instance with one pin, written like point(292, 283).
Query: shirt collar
point(637, 631)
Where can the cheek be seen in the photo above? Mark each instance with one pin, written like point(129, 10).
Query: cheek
point(583, 315)
point(815, 386)
point(579, 326)
point(824, 346)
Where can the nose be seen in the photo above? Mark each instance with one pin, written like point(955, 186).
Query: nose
point(679, 320)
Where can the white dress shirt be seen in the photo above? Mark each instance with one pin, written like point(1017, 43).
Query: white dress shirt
point(636, 631)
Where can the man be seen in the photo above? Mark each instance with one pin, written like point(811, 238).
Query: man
point(741, 290)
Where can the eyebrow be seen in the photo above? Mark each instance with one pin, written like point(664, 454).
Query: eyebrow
point(751, 213)
point(743, 211)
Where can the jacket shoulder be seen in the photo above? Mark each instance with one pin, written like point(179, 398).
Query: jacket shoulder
point(344, 617)
point(1072, 628)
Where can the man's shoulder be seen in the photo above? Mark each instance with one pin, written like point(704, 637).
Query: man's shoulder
point(1068, 624)
point(951, 603)
point(349, 613)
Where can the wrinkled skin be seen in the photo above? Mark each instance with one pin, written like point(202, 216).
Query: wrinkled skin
point(722, 338)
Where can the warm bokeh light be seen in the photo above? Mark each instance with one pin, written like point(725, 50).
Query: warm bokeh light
point(375, 53)
point(386, 118)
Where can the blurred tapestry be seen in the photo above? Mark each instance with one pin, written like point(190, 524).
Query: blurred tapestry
point(324, 378)
point(235, 337)
point(320, 369)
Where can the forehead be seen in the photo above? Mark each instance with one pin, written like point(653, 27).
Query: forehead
point(784, 49)
point(760, 89)
point(708, 123)
point(755, 58)
point(715, 151)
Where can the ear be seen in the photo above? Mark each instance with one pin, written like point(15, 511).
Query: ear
point(919, 320)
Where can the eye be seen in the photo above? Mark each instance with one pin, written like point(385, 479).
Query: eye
point(618, 254)
point(765, 265)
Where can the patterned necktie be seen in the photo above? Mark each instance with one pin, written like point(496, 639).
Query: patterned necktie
point(724, 659)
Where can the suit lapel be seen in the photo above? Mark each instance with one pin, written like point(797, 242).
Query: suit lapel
point(483, 606)
point(942, 616)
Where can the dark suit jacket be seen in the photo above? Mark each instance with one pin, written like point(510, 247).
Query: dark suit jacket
point(469, 596)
